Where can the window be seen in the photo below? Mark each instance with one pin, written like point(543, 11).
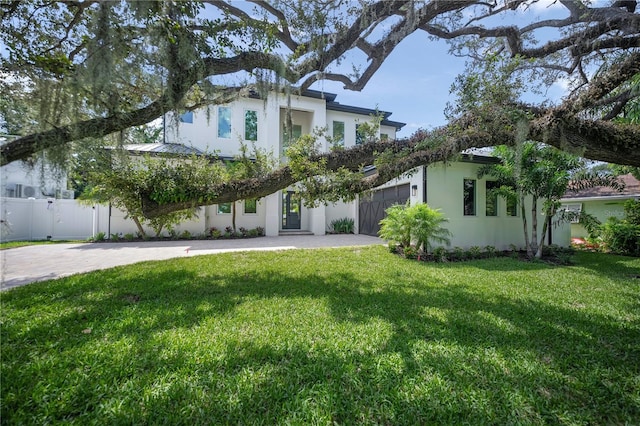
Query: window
point(469, 197)
point(296, 133)
point(224, 122)
point(359, 136)
point(384, 137)
point(512, 207)
point(187, 117)
point(573, 211)
point(251, 206)
point(224, 208)
point(338, 133)
point(251, 125)
point(492, 199)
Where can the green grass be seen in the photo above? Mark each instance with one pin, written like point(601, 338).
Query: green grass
point(4, 245)
point(346, 336)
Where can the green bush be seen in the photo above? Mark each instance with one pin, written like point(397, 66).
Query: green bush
point(620, 236)
point(440, 254)
point(342, 226)
point(100, 236)
point(632, 211)
point(419, 223)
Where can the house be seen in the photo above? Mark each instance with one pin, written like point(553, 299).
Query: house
point(273, 121)
point(601, 202)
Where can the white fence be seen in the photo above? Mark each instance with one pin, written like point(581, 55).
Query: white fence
point(57, 219)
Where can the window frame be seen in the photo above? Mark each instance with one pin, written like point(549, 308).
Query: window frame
point(465, 197)
point(488, 186)
point(246, 112)
point(218, 212)
point(341, 141)
point(244, 207)
point(222, 116)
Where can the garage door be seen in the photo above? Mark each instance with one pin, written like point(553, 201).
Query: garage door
point(372, 207)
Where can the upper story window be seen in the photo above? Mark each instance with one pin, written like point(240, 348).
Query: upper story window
point(384, 137)
point(251, 125)
point(338, 133)
point(469, 197)
point(224, 122)
point(360, 139)
point(491, 208)
point(290, 137)
point(187, 117)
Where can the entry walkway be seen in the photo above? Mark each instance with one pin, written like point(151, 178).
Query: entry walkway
point(44, 262)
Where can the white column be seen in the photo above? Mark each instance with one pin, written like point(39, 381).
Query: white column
point(272, 215)
point(317, 220)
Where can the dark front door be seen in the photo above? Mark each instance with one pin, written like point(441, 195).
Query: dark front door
point(372, 207)
point(291, 204)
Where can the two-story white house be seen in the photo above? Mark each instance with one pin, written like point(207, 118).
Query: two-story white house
point(271, 124)
point(475, 218)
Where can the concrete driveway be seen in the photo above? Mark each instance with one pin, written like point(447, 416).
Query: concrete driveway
point(44, 262)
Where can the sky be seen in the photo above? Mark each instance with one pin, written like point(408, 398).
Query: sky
point(414, 82)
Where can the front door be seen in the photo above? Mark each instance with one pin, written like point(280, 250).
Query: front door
point(291, 204)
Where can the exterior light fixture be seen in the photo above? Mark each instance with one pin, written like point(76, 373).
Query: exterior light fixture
point(414, 190)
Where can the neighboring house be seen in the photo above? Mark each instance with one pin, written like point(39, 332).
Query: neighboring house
point(474, 218)
point(601, 202)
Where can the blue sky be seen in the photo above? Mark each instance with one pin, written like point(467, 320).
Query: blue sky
point(415, 80)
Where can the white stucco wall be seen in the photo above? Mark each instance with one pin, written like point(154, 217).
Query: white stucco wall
point(445, 192)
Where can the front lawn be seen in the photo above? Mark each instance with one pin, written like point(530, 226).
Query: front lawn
point(346, 336)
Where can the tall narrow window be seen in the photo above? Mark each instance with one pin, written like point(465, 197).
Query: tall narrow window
point(338, 133)
point(224, 122)
point(360, 139)
point(251, 125)
point(469, 197)
point(492, 198)
point(251, 206)
point(512, 207)
point(384, 137)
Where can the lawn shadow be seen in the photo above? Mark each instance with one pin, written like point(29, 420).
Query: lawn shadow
point(445, 354)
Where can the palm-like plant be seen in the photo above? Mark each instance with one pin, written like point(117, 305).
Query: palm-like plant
point(419, 223)
point(426, 226)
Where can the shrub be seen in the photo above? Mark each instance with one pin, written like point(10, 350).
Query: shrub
point(115, 237)
point(440, 254)
point(243, 231)
point(186, 235)
point(620, 236)
point(632, 211)
point(410, 252)
point(342, 226)
point(419, 223)
point(475, 252)
point(100, 236)
point(458, 253)
point(253, 233)
point(490, 251)
point(260, 230)
point(129, 237)
point(215, 233)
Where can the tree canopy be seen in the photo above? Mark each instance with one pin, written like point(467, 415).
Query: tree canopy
point(85, 69)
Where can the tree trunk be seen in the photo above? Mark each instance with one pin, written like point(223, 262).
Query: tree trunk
point(534, 226)
point(523, 211)
point(139, 226)
point(547, 223)
point(233, 216)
